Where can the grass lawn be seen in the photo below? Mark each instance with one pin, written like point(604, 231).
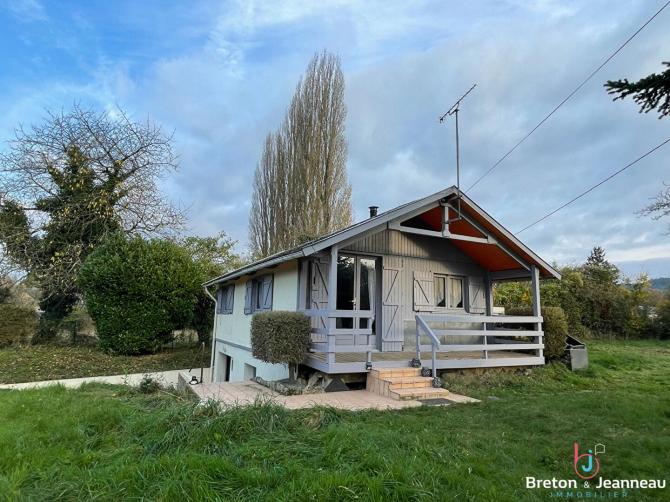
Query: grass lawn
point(50, 362)
point(112, 443)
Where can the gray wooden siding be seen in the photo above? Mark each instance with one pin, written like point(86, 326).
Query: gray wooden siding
point(403, 255)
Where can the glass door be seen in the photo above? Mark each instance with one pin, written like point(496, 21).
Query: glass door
point(356, 287)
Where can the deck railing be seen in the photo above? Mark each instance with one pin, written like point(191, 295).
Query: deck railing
point(496, 327)
point(330, 339)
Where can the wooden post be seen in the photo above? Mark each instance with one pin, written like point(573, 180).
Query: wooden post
point(537, 311)
point(488, 291)
point(332, 302)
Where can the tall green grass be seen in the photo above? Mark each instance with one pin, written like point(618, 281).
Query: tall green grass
point(104, 442)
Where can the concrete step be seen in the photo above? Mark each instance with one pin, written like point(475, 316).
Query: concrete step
point(413, 382)
point(384, 373)
point(424, 393)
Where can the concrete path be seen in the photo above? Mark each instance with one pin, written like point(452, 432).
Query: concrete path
point(164, 377)
point(241, 393)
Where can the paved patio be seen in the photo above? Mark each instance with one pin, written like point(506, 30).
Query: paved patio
point(241, 393)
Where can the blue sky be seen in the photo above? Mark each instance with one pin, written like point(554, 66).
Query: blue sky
point(220, 74)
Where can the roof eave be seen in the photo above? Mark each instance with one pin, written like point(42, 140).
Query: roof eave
point(253, 268)
point(509, 235)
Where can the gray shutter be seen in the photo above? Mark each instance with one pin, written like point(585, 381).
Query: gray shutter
point(248, 297)
point(424, 291)
point(319, 295)
point(266, 292)
point(392, 330)
point(476, 302)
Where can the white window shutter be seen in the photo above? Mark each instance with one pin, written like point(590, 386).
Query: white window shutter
point(424, 291)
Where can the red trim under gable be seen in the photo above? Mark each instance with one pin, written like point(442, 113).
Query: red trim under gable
point(462, 227)
point(489, 256)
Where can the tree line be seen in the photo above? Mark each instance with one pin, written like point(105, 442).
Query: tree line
point(597, 300)
point(83, 220)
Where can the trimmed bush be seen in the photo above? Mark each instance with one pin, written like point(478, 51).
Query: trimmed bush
point(280, 337)
point(138, 292)
point(17, 325)
point(555, 328)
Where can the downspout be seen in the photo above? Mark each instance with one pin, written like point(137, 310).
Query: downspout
point(216, 318)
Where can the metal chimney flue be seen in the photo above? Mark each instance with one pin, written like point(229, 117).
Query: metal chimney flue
point(373, 211)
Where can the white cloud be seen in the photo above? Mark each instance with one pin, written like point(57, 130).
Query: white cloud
point(405, 63)
point(27, 10)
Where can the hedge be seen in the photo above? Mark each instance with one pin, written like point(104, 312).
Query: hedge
point(18, 324)
point(280, 337)
point(555, 328)
point(138, 292)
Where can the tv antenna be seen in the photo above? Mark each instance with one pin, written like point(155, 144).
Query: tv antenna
point(454, 111)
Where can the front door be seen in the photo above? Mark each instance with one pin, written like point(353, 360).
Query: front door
point(356, 289)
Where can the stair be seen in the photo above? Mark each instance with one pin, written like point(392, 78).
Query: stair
point(403, 384)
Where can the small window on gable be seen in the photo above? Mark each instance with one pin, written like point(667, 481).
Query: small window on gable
point(455, 293)
point(448, 291)
point(440, 290)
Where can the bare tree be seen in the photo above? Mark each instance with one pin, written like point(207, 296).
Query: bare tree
point(660, 207)
point(301, 190)
point(69, 182)
point(651, 93)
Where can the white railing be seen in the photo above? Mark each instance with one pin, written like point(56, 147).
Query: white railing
point(491, 327)
point(325, 337)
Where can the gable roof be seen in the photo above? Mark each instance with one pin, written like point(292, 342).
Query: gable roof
point(382, 220)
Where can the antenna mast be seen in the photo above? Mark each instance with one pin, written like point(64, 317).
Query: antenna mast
point(454, 111)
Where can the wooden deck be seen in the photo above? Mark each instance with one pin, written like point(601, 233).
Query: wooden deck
point(444, 341)
point(354, 362)
point(381, 357)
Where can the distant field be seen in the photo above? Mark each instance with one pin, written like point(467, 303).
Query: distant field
point(109, 443)
point(51, 362)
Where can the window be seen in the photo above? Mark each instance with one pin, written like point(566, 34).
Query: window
point(225, 299)
point(440, 290)
point(455, 293)
point(249, 372)
point(258, 294)
point(448, 291)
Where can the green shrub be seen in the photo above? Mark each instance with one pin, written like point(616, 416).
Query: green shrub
point(555, 327)
point(138, 292)
point(280, 337)
point(17, 325)
point(148, 385)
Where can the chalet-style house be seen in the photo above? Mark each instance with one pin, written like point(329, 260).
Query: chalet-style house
point(414, 282)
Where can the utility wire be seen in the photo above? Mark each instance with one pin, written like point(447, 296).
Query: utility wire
point(539, 124)
point(594, 186)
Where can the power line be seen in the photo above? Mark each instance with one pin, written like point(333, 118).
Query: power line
point(594, 186)
point(539, 124)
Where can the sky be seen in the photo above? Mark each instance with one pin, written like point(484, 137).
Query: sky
point(221, 74)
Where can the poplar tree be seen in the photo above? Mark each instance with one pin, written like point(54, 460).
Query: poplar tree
point(301, 190)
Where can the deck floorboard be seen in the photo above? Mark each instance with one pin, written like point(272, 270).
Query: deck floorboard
point(360, 357)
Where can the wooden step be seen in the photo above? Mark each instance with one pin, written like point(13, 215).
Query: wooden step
point(384, 373)
point(425, 393)
point(413, 382)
